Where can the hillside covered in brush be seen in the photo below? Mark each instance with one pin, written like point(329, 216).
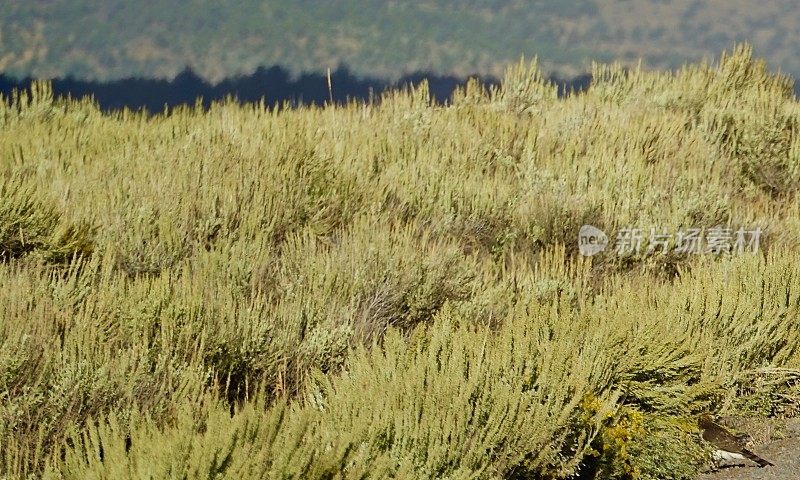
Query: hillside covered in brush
point(110, 39)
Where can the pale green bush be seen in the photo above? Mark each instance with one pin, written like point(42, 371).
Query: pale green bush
point(393, 288)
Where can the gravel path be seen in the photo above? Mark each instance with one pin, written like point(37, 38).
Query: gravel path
point(784, 453)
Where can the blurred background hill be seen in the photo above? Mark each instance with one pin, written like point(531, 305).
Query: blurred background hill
point(112, 39)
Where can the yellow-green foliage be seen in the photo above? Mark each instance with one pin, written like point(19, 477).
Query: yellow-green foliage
point(393, 289)
point(646, 446)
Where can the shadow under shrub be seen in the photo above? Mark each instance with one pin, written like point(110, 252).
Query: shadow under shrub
point(28, 223)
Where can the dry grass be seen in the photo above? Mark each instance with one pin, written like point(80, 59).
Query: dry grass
point(393, 289)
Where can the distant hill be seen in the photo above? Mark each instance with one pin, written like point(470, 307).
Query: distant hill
point(112, 39)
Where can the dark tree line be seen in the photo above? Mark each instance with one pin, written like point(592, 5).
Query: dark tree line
point(275, 85)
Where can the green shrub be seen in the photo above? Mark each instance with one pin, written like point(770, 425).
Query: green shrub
point(394, 288)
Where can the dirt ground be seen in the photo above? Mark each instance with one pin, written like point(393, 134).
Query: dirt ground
point(776, 441)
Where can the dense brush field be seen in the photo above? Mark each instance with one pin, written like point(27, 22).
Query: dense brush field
point(394, 289)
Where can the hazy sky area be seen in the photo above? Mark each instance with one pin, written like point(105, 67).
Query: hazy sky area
point(111, 39)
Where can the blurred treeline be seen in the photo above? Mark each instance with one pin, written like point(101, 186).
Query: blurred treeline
point(274, 85)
